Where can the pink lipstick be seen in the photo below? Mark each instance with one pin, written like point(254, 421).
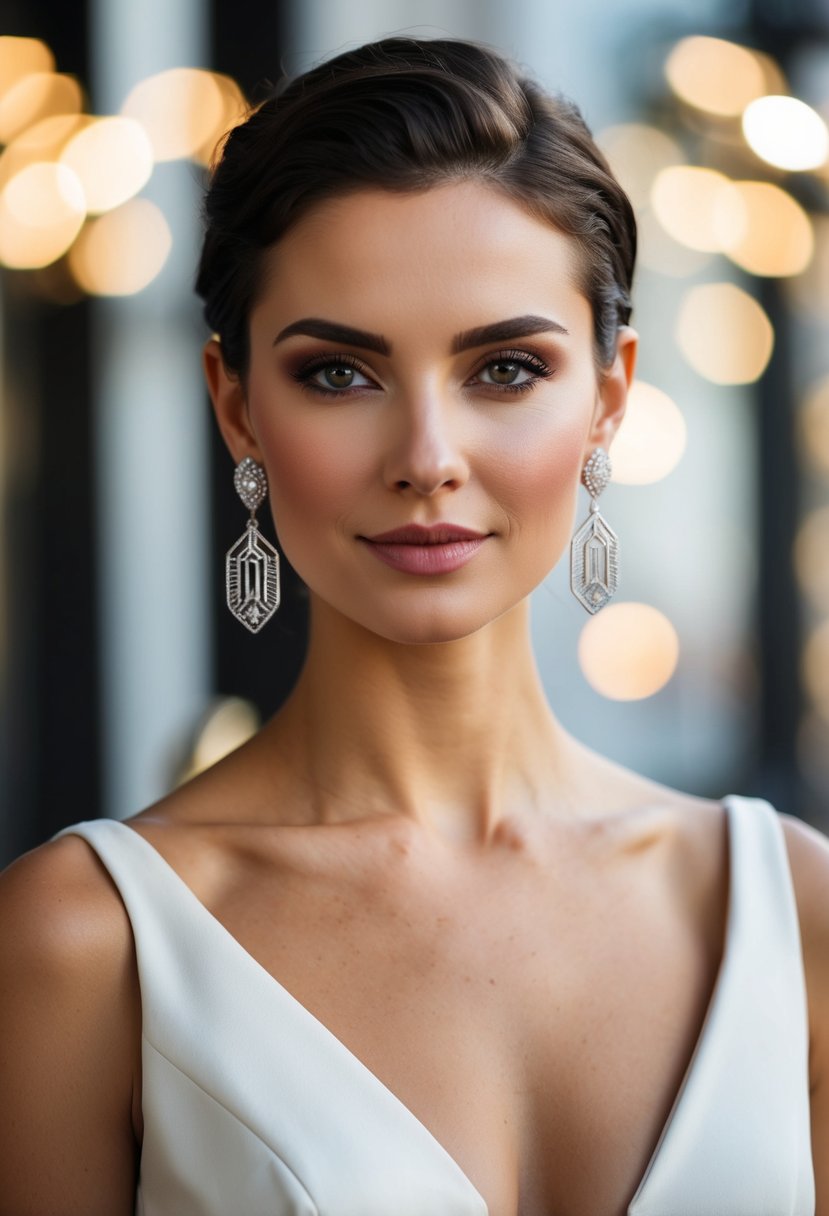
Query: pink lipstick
point(415, 549)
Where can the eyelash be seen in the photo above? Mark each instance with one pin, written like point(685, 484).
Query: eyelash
point(304, 374)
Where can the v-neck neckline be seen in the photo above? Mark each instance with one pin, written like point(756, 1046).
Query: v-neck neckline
point(706, 1030)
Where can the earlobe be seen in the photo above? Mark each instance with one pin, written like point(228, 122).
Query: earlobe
point(613, 390)
point(227, 394)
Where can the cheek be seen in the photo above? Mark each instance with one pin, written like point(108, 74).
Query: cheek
point(539, 473)
point(312, 474)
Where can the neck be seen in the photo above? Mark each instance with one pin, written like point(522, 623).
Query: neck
point(453, 735)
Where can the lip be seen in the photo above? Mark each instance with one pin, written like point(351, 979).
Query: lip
point(415, 549)
point(419, 534)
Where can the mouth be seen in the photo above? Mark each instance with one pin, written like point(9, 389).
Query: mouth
point(418, 534)
point(415, 549)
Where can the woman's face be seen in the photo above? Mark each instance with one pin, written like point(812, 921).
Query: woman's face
point(422, 359)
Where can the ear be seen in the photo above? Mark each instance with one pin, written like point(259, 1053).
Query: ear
point(229, 404)
point(611, 399)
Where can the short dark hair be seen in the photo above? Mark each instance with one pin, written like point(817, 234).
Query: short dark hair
point(406, 114)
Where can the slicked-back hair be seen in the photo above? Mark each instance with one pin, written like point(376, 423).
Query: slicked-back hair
point(404, 115)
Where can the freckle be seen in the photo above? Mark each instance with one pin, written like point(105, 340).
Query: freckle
point(492, 981)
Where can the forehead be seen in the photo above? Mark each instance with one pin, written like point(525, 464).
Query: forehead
point(464, 249)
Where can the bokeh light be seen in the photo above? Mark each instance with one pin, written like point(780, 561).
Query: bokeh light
point(120, 253)
point(815, 668)
point(724, 333)
point(41, 211)
point(650, 442)
point(113, 160)
point(37, 96)
point(808, 292)
point(235, 110)
point(785, 132)
point(776, 236)
point(714, 75)
point(811, 557)
point(21, 57)
point(813, 418)
point(229, 724)
point(660, 252)
point(697, 207)
point(42, 142)
point(813, 748)
point(628, 651)
point(636, 153)
point(181, 110)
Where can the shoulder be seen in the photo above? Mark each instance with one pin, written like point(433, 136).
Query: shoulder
point(69, 1035)
point(808, 851)
point(65, 933)
point(58, 906)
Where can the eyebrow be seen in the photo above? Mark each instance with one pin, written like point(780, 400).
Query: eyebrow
point(499, 331)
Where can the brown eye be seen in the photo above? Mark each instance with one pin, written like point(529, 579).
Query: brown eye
point(337, 375)
point(512, 371)
point(504, 371)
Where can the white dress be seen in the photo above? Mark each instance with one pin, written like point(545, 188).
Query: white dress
point(253, 1108)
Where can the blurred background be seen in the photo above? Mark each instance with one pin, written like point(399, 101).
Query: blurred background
point(121, 671)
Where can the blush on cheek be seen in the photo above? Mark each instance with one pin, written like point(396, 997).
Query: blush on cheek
point(312, 485)
point(546, 472)
point(541, 500)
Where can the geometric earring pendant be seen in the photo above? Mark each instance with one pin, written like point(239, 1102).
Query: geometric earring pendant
point(252, 575)
point(594, 562)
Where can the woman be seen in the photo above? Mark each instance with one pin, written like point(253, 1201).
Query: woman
point(413, 949)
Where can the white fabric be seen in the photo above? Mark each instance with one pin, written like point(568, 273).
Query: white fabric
point(253, 1108)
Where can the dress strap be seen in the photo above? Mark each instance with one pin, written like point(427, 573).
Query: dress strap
point(738, 1138)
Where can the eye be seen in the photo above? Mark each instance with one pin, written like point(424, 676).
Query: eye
point(331, 376)
point(337, 376)
point(512, 371)
point(505, 371)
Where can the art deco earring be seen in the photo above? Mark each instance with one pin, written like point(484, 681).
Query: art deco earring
point(594, 550)
point(252, 564)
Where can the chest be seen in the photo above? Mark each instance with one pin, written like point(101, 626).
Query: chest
point(534, 1029)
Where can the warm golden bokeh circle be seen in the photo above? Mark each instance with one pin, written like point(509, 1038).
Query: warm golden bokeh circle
point(786, 132)
point(636, 153)
point(650, 442)
point(121, 252)
point(813, 420)
point(811, 557)
point(814, 668)
point(42, 209)
point(724, 333)
point(628, 651)
point(714, 75)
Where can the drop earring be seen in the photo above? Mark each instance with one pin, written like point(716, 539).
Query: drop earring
point(594, 549)
point(252, 564)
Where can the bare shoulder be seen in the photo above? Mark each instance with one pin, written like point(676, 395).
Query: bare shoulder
point(808, 851)
point(69, 1022)
point(60, 898)
point(809, 862)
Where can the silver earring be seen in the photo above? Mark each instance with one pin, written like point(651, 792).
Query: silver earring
point(594, 549)
point(252, 564)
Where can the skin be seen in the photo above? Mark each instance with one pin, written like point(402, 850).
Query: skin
point(440, 855)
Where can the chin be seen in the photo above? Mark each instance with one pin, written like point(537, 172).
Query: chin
point(433, 634)
point(435, 625)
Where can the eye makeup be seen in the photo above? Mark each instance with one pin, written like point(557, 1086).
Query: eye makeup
point(347, 367)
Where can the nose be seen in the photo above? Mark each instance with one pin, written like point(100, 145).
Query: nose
point(424, 454)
